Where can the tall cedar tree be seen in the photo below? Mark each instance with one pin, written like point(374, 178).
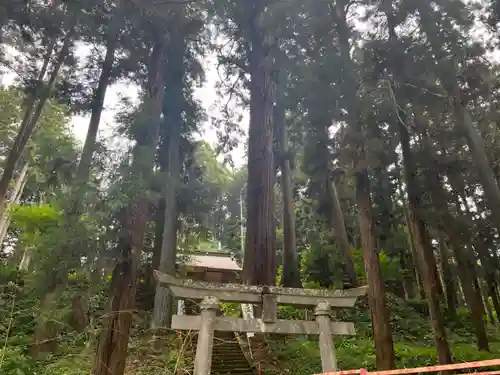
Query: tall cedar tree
point(259, 266)
point(423, 246)
point(291, 272)
point(172, 112)
point(384, 346)
point(114, 336)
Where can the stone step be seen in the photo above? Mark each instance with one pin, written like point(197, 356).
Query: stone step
point(225, 362)
point(227, 356)
point(226, 359)
point(230, 360)
point(238, 364)
point(231, 357)
point(234, 349)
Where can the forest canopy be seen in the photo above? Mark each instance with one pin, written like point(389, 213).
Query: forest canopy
point(371, 142)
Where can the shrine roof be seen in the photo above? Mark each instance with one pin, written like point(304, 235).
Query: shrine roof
point(212, 260)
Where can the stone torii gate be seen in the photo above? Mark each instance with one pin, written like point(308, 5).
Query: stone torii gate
point(211, 294)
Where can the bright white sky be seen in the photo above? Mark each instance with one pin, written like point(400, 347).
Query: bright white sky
point(207, 95)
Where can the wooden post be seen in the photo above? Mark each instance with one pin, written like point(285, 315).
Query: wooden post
point(203, 360)
point(326, 346)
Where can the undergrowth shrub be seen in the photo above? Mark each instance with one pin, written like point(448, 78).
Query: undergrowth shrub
point(301, 356)
point(14, 362)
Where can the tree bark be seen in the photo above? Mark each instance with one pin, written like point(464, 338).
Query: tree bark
point(449, 282)
point(492, 292)
point(29, 122)
point(172, 112)
point(412, 243)
point(465, 123)
point(472, 295)
point(465, 262)
point(158, 239)
point(97, 106)
point(341, 235)
point(14, 198)
point(424, 250)
point(384, 345)
point(291, 272)
point(25, 262)
point(476, 145)
point(113, 339)
point(486, 303)
point(259, 266)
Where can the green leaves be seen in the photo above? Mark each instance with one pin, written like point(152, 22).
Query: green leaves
point(33, 218)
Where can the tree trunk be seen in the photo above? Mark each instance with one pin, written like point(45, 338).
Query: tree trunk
point(424, 250)
point(408, 281)
point(486, 303)
point(464, 121)
point(492, 292)
point(449, 282)
point(341, 235)
point(158, 239)
point(259, 266)
point(426, 258)
point(465, 262)
point(113, 339)
point(14, 198)
point(412, 243)
point(29, 123)
point(172, 111)
point(384, 345)
point(472, 296)
point(376, 291)
point(291, 272)
point(97, 106)
point(476, 145)
point(25, 262)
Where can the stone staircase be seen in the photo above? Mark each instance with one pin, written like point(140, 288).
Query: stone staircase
point(228, 357)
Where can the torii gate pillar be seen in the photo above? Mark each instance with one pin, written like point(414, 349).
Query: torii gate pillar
point(203, 360)
point(326, 345)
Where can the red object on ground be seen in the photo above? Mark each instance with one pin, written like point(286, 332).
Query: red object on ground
point(418, 370)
